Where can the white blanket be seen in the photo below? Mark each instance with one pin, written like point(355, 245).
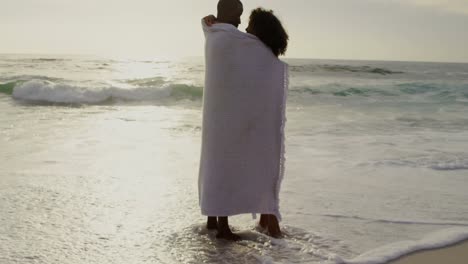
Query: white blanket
point(244, 102)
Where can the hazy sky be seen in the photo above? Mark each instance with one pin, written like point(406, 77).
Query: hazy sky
point(427, 30)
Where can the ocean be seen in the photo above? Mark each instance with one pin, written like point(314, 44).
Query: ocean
point(99, 162)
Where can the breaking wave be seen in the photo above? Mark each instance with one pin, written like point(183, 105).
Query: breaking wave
point(56, 90)
point(395, 221)
point(438, 161)
point(50, 92)
point(396, 250)
point(432, 91)
point(342, 68)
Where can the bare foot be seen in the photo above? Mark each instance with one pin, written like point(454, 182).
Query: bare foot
point(228, 236)
point(224, 231)
point(212, 223)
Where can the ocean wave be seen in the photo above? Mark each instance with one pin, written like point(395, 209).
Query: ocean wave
point(431, 123)
point(48, 59)
point(450, 167)
point(439, 162)
point(25, 78)
point(146, 81)
point(417, 91)
point(36, 60)
point(341, 68)
point(49, 92)
point(418, 88)
point(396, 221)
point(405, 91)
point(440, 239)
point(363, 92)
point(341, 91)
point(7, 88)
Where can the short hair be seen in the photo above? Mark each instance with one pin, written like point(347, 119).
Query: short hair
point(268, 28)
point(226, 8)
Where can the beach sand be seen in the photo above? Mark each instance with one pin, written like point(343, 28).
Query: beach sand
point(456, 254)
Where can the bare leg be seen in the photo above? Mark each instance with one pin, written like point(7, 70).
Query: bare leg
point(224, 232)
point(212, 223)
point(264, 221)
point(273, 227)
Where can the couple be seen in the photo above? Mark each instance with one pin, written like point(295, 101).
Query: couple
point(242, 153)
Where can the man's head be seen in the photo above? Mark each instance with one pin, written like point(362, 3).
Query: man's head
point(230, 11)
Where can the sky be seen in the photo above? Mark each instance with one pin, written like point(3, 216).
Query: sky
point(403, 30)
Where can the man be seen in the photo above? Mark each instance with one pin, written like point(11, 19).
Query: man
point(229, 12)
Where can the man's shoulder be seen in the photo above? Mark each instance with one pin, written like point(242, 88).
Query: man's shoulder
point(224, 28)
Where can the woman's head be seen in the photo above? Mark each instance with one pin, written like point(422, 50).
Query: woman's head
point(267, 27)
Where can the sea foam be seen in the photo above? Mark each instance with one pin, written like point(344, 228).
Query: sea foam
point(50, 92)
point(394, 251)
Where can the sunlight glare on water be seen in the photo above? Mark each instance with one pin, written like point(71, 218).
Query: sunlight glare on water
point(99, 161)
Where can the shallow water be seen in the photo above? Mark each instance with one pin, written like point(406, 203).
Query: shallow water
point(372, 159)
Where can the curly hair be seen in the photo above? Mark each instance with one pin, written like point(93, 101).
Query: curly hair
point(268, 28)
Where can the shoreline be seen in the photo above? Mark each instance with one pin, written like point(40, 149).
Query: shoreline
point(452, 254)
point(448, 246)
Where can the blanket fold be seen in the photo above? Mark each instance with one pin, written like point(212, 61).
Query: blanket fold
point(244, 105)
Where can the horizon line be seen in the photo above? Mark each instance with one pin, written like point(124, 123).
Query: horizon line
point(201, 56)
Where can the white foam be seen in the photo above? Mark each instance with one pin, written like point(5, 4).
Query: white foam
point(393, 251)
point(450, 166)
point(399, 221)
point(46, 91)
point(264, 259)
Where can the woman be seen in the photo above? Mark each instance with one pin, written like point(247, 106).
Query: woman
point(268, 29)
